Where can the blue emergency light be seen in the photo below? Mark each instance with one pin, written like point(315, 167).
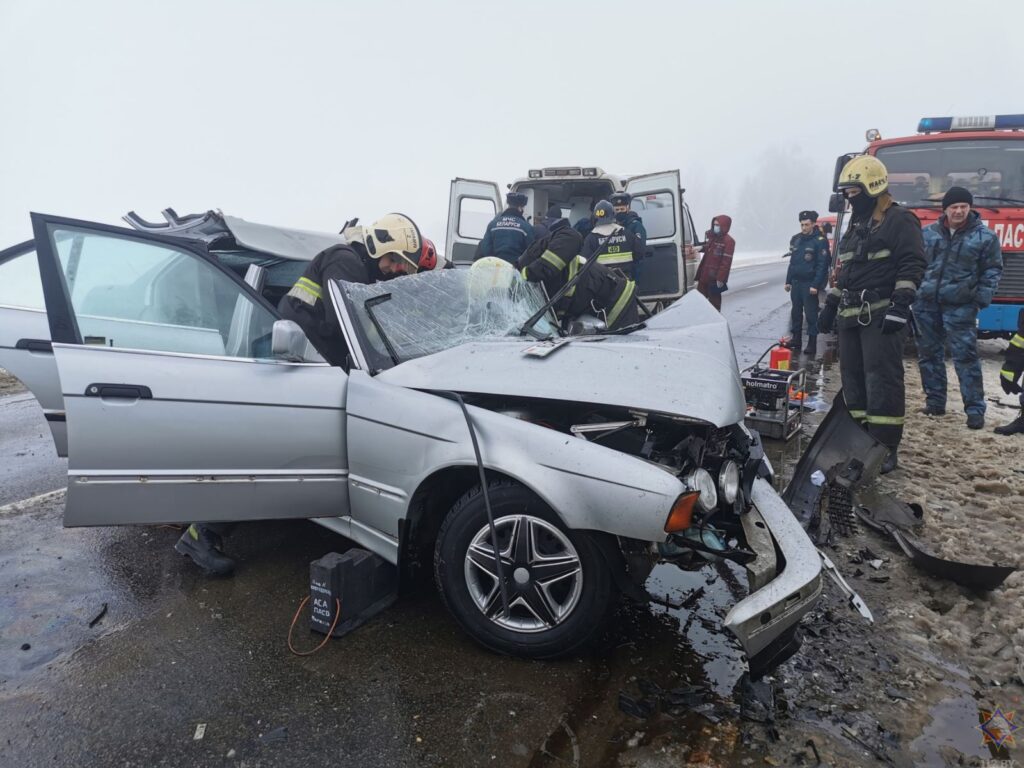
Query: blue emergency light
point(974, 123)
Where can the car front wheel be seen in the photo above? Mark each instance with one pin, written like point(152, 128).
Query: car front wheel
point(559, 588)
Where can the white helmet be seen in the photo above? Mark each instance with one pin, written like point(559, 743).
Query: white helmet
point(395, 234)
point(490, 275)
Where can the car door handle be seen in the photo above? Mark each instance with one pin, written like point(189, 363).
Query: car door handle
point(35, 345)
point(126, 391)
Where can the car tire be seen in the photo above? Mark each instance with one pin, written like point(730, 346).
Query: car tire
point(560, 587)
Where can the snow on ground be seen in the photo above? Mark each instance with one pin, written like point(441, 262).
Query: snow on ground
point(971, 485)
point(909, 689)
point(8, 384)
point(746, 258)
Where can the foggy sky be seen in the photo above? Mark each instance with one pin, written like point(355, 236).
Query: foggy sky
point(305, 113)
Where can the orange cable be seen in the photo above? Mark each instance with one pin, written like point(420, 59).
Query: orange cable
point(295, 618)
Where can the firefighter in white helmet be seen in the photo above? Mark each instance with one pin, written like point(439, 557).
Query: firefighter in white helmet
point(389, 247)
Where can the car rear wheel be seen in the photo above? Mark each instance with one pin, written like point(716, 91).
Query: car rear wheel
point(559, 587)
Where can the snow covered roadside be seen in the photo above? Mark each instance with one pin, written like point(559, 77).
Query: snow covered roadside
point(971, 485)
point(743, 259)
point(911, 688)
point(8, 384)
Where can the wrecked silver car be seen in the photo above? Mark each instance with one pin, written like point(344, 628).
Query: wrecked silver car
point(188, 399)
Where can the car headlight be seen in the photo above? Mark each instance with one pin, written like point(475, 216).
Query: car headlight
point(701, 480)
point(729, 481)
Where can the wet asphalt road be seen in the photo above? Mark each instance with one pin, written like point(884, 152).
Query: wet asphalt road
point(28, 461)
point(174, 650)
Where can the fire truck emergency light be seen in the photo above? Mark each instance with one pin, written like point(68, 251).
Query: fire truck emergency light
point(975, 123)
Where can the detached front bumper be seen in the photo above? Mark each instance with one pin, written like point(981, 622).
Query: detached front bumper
point(785, 580)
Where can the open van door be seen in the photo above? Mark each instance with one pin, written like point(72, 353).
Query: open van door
point(25, 349)
point(658, 202)
point(471, 206)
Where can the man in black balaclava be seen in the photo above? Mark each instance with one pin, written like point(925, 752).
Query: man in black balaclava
point(881, 259)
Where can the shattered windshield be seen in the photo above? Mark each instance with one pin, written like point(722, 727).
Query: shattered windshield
point(434, 311)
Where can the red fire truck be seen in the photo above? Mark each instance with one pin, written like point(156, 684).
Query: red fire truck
point(983, 154)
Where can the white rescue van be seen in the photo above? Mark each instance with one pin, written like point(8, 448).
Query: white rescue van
point(665, 275)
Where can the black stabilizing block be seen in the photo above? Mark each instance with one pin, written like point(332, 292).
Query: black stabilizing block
point(364, 583)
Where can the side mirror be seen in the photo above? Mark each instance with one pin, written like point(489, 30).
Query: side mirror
point(836, 203)
point(288, 342)
point(841, 162)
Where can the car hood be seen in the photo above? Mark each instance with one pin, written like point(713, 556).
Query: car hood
point(682, 363)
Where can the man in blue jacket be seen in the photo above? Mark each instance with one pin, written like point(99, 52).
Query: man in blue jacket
point(805, 279)
point(509, 234)
point(964, 265)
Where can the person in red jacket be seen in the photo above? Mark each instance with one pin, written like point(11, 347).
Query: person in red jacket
point(713, 272)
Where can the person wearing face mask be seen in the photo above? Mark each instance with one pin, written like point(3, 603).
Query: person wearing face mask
point(964, 266)
point(713, 271)
point(881, 258)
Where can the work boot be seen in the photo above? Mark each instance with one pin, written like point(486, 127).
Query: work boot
point(890, 463)
point(975, 420)
point(203, 546)
point(1015, 427)
point(793, 343)
point(812, 345)
point(932, 410)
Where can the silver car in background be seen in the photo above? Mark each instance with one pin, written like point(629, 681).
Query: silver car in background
point(188, 399)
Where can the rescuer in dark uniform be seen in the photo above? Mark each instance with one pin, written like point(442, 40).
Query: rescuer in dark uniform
point(390, 246)
point(1011, 376)
point(882, 262)
point(632, 222)
point(805, 279)
point(611, 243)
point(602, 292)
point(509, 234)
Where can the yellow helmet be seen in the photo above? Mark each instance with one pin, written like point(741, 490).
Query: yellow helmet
point(394, 234)
point(866, 172)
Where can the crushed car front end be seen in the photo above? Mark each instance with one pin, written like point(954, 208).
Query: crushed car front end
point(638, 436)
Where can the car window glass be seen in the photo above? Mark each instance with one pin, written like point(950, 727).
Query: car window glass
point(142, 295)
point(19, 283)
point(475, 214)
point(657, 212)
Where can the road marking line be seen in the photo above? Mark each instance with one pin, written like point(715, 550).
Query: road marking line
point(747, 287)
point(18, 506)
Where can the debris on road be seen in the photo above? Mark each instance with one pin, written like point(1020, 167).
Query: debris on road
point(275, 736)
point(99, 616)
point(200, 732)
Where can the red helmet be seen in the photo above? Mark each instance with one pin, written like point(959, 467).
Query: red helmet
point(428, 256)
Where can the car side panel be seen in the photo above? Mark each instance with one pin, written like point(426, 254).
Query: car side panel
point(398, 437)
point(34, 366)
point(220, 438)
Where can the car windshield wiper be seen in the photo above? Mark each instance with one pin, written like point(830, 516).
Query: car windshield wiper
point(368, 305)
point(528, 325)
point(625, 329)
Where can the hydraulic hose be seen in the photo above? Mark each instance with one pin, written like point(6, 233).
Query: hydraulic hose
point(487, 499)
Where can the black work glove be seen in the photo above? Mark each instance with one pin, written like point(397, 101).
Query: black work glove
point(898, 314)
point(1013, 367)
point(827, 316)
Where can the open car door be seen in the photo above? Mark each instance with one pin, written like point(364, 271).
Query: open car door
point(25, 349)
point(471, 206)
point(657, 200)
point(176, 410)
